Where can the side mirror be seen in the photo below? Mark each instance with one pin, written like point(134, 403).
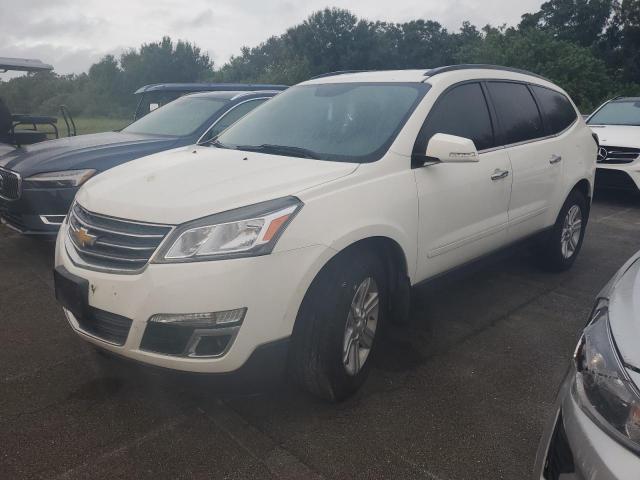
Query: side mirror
point(451, 149)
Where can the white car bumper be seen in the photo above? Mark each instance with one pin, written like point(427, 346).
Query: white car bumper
point(618, 176)
point(270, 287)
point(573, 447)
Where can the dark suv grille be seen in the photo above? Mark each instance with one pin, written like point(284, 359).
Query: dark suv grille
point(9, 185)
point(617, 155)
point(112, 243)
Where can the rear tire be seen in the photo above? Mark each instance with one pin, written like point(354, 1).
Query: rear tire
point(561, 246)
point(338, 325)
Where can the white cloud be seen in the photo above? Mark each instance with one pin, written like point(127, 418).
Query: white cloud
point(72, 34)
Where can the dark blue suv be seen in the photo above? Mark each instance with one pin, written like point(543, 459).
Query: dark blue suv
point(38, 182)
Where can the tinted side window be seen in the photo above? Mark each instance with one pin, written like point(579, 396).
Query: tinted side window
point(517, 111)
point(556, 107)
point(462, 111)
point(232, 116)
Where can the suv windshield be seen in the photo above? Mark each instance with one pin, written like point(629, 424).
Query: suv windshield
point(352, 122)
point(619, 112)
point(181, 117)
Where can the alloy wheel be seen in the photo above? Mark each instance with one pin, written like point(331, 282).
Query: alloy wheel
point(361, 326)
point(571, 231)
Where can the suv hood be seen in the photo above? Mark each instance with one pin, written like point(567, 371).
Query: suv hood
point(618, 135)
point(624, 312)
point(193, 182)
point(99, 151)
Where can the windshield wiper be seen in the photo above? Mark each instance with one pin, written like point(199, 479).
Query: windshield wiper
point(280, 150)
point(214, 142)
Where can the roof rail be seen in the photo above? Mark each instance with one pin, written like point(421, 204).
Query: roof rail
point(206, 87)
point(338, 72)
point(479, 66)
point(23, 65)
point(253, 92)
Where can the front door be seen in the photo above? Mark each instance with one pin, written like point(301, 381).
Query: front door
point(462, 206)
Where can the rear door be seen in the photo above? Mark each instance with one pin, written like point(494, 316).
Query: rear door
point(560, 118)
point(535, 157)
point(463, 206)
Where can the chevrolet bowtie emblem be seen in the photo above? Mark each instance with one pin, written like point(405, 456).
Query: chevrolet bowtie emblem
point(83, 238)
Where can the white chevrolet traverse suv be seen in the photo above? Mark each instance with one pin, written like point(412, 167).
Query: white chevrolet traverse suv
point(617, 124)
point(302, 227)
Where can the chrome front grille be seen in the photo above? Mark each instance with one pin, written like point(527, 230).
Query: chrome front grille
point(109, 243)
point(10, 184)
point(617, 155)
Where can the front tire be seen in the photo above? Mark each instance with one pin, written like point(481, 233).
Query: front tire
point(560, 248)
point(338, 324)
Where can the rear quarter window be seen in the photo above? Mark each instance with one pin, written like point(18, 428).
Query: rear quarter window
point(517, 112)
point(557, 108)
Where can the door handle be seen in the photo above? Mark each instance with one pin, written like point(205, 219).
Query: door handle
point(499, 174)
point(555, 159)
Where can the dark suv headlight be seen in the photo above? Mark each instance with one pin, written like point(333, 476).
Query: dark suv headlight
point(602, 387)
point(63, 179)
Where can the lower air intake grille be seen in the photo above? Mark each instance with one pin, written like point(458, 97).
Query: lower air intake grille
point(105, 325)
point(11, 218)
point(559, 462)
point(113, 243)
point(614, 179)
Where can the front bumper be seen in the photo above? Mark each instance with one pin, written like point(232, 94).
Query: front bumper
point(270, 287)
point(575, 448)
point(618, 177)
point(37, 211)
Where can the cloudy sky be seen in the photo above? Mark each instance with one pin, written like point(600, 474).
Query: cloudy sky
point(72, 34)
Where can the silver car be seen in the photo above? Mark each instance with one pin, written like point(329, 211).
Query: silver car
point(595, 433)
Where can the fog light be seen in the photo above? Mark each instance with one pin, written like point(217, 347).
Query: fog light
point(52, 219)
point(209, 346)
point(226, 318)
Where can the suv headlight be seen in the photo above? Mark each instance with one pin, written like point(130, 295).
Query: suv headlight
point(67, 178)
point(603, 388)
point(243, 232)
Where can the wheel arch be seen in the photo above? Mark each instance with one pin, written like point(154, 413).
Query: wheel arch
point(395, 261)
point(381, 237)
point(582, 185)
point(386, 247)
point(585, 188)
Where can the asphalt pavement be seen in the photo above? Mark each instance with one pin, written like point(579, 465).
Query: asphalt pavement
point(462, 393)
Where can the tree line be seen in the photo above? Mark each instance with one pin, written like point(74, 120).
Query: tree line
point(107, 88)
point(589, 47)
